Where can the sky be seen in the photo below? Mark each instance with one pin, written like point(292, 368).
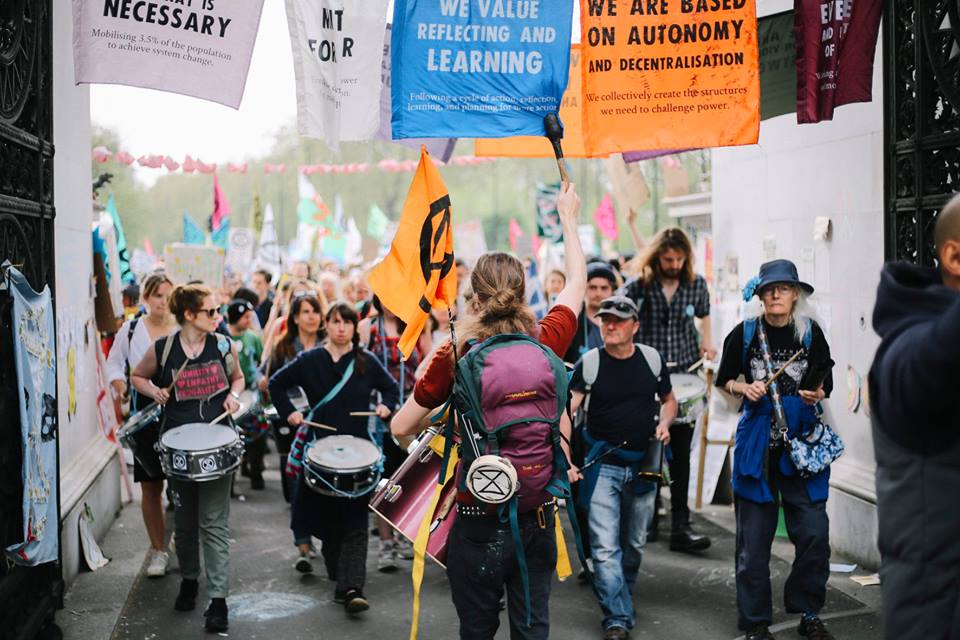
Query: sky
point(154, 122)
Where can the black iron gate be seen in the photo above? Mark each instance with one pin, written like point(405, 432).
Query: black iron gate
point(922, 105)
point(28, 596)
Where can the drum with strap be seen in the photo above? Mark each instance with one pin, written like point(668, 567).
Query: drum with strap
point(200, 451)
point(140, 434)
point(691, 394)
point(342, 466)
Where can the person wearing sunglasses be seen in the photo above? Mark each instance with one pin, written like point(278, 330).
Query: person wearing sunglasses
point(631, 405)
point(779, 334)
point(202, 509)
point(674, 305)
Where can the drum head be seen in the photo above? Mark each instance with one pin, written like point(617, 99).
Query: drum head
point(248, 400)
point(687, 387)
point(343, 453)
point(198, 436)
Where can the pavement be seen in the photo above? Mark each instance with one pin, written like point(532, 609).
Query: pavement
point(679, 596)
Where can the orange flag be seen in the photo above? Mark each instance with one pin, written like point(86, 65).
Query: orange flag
point(419, 272)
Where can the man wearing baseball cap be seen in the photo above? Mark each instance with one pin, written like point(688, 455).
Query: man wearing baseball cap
point(624, 389)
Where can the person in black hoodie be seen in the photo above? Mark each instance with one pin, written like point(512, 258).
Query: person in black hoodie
point(916, 435)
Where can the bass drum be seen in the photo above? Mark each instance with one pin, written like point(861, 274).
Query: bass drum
point(200, 451)
point(404, 499)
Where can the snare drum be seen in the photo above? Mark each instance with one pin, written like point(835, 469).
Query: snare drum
point(140, 434)
point(691, 394)
point(200, 451)
point(403, 500)
point(342, 466)
point(249, 417)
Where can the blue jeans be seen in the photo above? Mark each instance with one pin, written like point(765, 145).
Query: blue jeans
point(619, 517)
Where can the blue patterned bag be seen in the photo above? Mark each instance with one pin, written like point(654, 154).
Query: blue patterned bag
point(816, 450)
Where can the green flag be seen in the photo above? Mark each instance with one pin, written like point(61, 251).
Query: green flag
point(377, 222)
point(126, 274)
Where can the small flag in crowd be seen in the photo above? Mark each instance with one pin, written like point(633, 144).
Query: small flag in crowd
point(515, 232)
point(192, 233)
point(221, 208)
point(221, 235)
point(536, 298)
point(606, 219)
point(416, 277)
point(377, 222)
point(126, 274)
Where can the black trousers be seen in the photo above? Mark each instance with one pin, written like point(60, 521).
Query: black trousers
point(681, 436)
point(482, 562)
point(809, 530)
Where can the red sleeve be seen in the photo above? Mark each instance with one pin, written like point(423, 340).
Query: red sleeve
point(433, 388)
point(558, 328)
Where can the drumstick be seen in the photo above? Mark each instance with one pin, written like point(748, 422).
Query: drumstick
point(695, 365)
point(319, 425)
point(220, 417)
point(177, 375)
point(783, 368)
point(362, 414)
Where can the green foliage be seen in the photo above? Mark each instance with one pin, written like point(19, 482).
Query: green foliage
point(493, 193)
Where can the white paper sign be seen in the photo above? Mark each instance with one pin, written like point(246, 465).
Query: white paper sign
point(241, 249)
point(337, 54)
point(186, 262)
point(469, 242)
point(199, 48)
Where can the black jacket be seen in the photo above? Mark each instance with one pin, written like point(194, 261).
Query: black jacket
point(915, 405)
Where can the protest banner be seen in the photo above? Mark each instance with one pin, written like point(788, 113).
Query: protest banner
point(336, 60)
point(548, 218)
point(439, 148)
point(186, 262)
point(478, 68)
point(659, 75)
point(241, 250)
point(571, 115)
point(835, 50)
point(200, 49)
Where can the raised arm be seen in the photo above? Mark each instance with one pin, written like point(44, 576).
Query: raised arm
point(568, 206)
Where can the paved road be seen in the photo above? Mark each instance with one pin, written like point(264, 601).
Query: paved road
point(679, 596)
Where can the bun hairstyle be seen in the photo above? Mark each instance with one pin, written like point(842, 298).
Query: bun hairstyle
point(187, 297)
point(349, 314)
point(153, 282)
point(499, 304)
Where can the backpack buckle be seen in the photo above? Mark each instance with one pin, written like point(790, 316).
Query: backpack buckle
point(541, 517)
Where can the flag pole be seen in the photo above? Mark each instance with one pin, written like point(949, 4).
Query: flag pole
point(554, 132)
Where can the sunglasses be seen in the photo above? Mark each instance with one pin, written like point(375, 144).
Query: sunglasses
point(304, 294)
point(618, 306)
point(211, 313)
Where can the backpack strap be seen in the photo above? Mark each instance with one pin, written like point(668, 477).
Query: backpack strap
point(591, 368)
point(652, 356)
point(167, 347)
point(223, 346)
point(749, 331)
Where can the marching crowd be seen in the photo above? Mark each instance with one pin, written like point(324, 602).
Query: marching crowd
point(607, 382)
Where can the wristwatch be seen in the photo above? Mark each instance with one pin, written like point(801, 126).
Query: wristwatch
point(236, 396)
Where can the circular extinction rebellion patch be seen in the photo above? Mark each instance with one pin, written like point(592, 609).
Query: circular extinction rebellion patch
point(268, 605)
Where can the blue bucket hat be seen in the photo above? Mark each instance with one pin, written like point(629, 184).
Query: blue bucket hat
point(775, 271)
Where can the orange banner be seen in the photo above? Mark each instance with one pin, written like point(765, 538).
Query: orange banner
point(669, 75)
point(419, 271)
point(538, 146)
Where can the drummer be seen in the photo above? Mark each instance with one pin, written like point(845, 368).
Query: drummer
point(240, 317)
point(135, 338)
point(304, 332)
point(381, 333)
point(205, 360)
point(338, 379)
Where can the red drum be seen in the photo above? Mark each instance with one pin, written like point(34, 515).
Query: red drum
point(403, 500)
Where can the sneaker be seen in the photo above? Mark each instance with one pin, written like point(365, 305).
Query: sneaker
point(759, 632)
point(303, 565)
point(340, 596)
point(404, 549)
point(216, 615)
point(814, 629)
point(387, 559)
point(187, 598)
point(355, 602)
point(157, 566)
point(615, 633)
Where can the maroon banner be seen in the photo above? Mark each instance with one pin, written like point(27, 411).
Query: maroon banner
point(836, 40)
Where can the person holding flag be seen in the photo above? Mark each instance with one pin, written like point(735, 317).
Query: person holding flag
point(498, 306)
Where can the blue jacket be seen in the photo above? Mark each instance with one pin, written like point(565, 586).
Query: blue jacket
point(753, 446)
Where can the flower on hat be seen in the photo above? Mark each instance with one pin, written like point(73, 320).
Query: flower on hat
point(751, 289)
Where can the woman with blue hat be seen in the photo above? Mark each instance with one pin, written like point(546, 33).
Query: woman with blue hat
point(778, 361)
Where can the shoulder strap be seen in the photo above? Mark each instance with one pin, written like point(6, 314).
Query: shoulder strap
point(749, 331)
point(167, 346)
point(591, 367)
point(335, 390)
point(130, 331)
point(652, 356)
point(808, 335)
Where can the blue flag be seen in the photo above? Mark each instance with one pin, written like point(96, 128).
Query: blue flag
point(221, 235)
point(192, 233)
point(126, 273)
point(535, 295)
point(477, 68)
